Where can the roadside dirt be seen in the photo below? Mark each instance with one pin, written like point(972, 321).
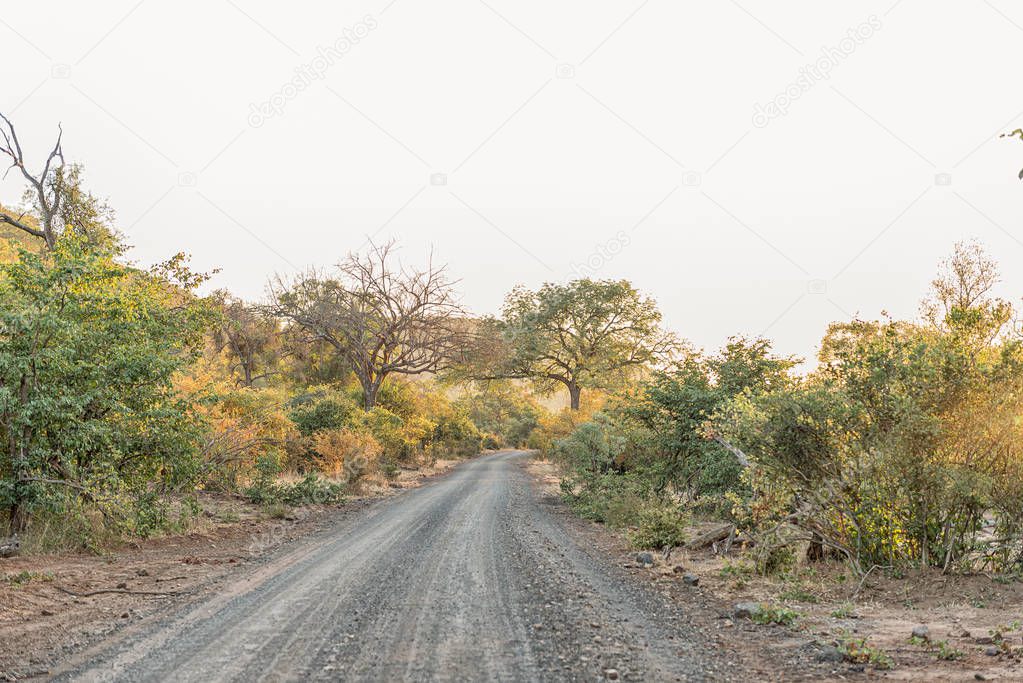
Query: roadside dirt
point(975, 620)
point(42, 621)
point(972, 621)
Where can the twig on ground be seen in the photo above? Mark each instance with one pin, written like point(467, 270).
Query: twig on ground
point(123, 591)
point(864, 579)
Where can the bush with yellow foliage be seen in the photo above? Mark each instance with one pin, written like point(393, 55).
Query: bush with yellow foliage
point(347, 454)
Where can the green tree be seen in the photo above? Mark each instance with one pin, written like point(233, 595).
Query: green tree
point(750, 366)
point(961, 300)
point(250, 339)
point(676, 406)
point(504, 410)
point(584, 334)
point(88, 351)
point(904, 443)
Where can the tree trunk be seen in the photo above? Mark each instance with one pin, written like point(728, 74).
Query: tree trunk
point(18, 521)
point(573, 391)
point(815, 551)
point(370, 390)
point(17, 517)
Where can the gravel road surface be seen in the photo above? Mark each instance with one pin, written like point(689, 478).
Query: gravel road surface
point(474, 576)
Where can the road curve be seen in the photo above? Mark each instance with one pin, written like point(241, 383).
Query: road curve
point(471, 577)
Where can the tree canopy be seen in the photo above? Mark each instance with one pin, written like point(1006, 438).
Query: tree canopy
point(380, 317)
point(88, 350)
point(584, 334)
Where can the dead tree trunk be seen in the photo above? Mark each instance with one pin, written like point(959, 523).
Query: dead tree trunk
point(48, 196)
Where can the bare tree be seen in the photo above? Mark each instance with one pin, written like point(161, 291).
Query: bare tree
point(45, 188)
point(381, 318)
point(250, 338)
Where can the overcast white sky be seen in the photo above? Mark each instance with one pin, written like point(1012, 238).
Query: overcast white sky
point(521, 139)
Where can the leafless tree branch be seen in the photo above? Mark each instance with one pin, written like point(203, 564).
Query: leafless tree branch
point(44, 186)
point(380, 318)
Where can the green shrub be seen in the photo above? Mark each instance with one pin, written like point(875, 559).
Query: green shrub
point(323, 410)
point(95, 346)
point(948, 653)
point(773, 558)
point(905, 443)
point(151, 515)
point(844, 611)
point(388, 429)
point(312, 490)
point(506, 413)
point(389, 468)
point(859, 651)
point(25, 577)
point(774, 614)
point(455, 435)
point(736, 570)
point(586, 449)
point(659, 527)
point(611, 499)
point(798, 594)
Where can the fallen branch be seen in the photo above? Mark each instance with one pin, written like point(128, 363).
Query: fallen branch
point(863, 581)
point(172, 578)
point(734, 450)
point(711, 537)
point(122, 591)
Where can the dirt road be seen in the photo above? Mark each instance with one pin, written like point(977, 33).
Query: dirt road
point(472, 577)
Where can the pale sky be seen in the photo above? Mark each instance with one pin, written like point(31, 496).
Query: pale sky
point(527, 141)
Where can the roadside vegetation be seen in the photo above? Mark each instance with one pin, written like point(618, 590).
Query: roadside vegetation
point(894, 464)
point(128, 393)
point(900, 450)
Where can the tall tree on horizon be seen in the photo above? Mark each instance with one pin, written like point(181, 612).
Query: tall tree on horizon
point(584, 334)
